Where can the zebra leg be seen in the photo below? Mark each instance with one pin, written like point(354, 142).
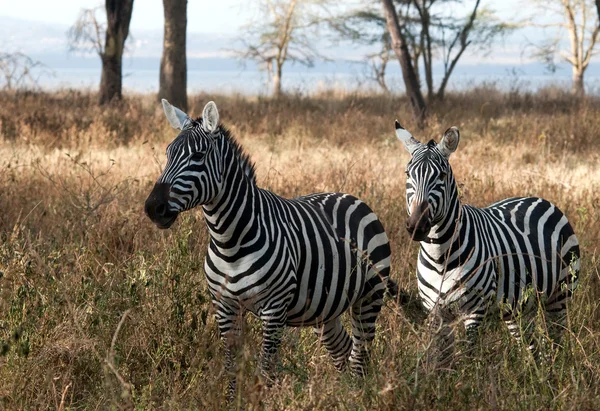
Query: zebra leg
point(274, 319)
point(229, 321)
point(472, 323)
point(440, 351)
point(556, 318)
point(556, 305)
point(517, 330)
point(556, 315)
point(337, 342)
point(363, 315)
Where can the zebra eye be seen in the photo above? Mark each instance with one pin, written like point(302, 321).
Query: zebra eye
point(407, 173)
point(197, 156)
point(443, 175)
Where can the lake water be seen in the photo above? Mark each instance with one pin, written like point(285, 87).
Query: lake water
point(225, 76)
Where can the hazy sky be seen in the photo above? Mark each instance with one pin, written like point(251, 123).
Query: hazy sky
point(222, 17)
point(203, 15)
point(214, 16)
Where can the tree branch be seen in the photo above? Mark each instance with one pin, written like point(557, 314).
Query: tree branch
point(590, 50)
point(464, 43)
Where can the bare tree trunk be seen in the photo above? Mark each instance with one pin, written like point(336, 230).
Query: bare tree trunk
point(423, 10)
point(413, 89)
point(578, 86)
point(173, 64)
point(118, 17)
point(277, 80)
point(415, 62)
point(383, 84)
point(428, 67)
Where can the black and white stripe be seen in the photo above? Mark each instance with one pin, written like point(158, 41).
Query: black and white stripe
point(298, 262)
point(471, 257)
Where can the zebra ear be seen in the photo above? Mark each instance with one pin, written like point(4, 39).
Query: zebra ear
point(449, 141)
point(409, 141)
point(210, 117)
point(176, 117)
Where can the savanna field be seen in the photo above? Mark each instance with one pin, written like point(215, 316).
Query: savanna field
point(101, 310)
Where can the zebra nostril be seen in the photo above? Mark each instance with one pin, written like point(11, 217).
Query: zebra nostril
point(161, 209)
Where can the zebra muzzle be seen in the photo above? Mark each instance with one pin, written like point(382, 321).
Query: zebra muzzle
point(419, 222)
point(157, 206)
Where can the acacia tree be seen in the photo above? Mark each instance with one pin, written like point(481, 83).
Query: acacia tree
point(284, 31)
point(581, 20)
point(454, 36)
point(368, 26)
point(87, 33)
point(434, 32)
point(400, 47)
point(173, 64)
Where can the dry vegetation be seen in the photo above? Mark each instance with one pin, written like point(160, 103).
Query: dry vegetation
point(100, 309)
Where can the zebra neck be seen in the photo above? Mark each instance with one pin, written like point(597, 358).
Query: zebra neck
point(444, 235)
point(233, 216)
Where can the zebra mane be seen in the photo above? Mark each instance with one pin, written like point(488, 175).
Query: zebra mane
point(242, 157)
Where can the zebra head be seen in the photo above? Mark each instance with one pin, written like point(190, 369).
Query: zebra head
point(193, 174)
point(429, 181)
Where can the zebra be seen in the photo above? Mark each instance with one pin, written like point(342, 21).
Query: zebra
point(508, 252)
point(290, 262)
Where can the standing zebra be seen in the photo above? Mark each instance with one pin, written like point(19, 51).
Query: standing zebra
point(470, 256)
point(298, 262)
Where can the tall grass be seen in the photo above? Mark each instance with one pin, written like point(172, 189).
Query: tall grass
point(100, 309)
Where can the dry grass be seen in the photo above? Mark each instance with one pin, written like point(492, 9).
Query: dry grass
point(77, 252)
